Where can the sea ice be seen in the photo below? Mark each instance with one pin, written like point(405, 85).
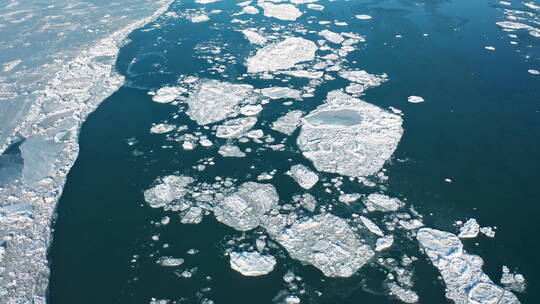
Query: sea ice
point(383, 243)
point(415, 99)
point(167, 94)
point(199, 18)
point(254, 37)
point(235, 127)
point(250, 10)
point(162, 128)
point(243, 209)
point(470, 229)
point(331, 36)
point(363, 17)
point(213, 101)
point(326, 242)
point(363, 78)
point(230, 151)
point(513, 281)
point(349, 136)
point(288, 123)
point(348, 198)
point(168, 261)
point(280, 92)
point(403, 294)
point(462, 273)
point(303, 176)
point(381, 202)
point(282, 55)
point(252, 263)
point(280, 11)
point(371, 226)
point(170, 189)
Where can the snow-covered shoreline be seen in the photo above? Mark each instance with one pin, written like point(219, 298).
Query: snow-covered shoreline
point(35, 169)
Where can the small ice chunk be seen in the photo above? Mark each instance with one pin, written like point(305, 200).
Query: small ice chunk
point(316, 7)
point(381, 202)
point(280, 92)
point(308, 202)
point(303, 176)
point(230, 151)
point(488, 231)
point(235, 128)
point(304, 74)
point(415, 99)
point(403, 294)
point(489, 48)
point(288, 123)
point(534, 72)
point(280, 11)
point(383, 243)
point(167, 94)
point(326, 242)
point(243, 209)
point(348, 198)
point(332, 36)
point(282, 55)
point(469, 230)
point(252, 263)
point(205, 1)
point(371, 226)
point(162, 128)
point(168, 261)
point(254, 37)
point(193, 215)
point(363, 17)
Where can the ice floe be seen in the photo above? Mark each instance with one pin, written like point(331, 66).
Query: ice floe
point(403, 294)
point(235, 128)
point(363, 17)
point(470, 229)
point(167, 94)
point(288, 123)
point(171, 188)
point(213, 101)
point(349, 136)
point(331, 36)
point(280, 92)
point(254, 37)
point(243, 209)
point(303, 176)
point(252, 263)
point(326, 242)
point(280, 11)
point(168, 261)
point(382, 202)
point(415, 99)
point(461, 272)
point(383, 243)
point(282, 55)
point(162, 128)
point(230, 151)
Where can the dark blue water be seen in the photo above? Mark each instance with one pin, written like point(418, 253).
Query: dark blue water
point(479, 126)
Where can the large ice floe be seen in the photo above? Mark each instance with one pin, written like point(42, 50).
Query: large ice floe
point(280, 11)
point(212, 100)
point(349, 136)
point(282, 55)
point(242, 210)
point(326, 242)
point(252, 263)
point(62, 84)
point(461, 272)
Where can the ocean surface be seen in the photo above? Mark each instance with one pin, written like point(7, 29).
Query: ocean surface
point(470, 150)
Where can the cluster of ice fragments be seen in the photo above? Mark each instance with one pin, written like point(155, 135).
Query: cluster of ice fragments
point(349, 136)
point(462, 273)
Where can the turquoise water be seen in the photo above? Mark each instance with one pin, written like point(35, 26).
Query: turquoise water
point(479, 127)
